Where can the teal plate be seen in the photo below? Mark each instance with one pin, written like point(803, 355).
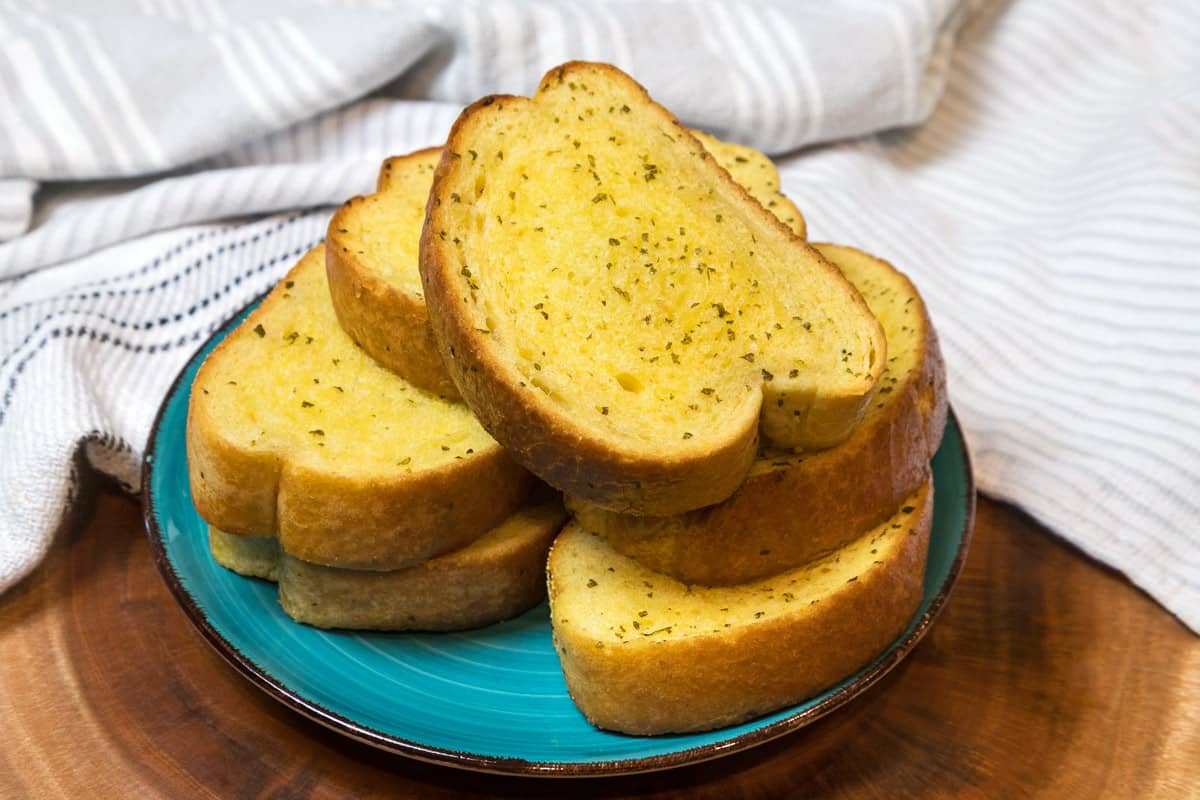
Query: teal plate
point(493, 699)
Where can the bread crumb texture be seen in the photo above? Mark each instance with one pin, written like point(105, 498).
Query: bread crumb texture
point(628, 279)
point(901, 312)
point(291, 382)
point(384, 229)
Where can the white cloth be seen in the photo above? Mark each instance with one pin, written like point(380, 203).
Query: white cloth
point(1049, 210)
point(131, 88)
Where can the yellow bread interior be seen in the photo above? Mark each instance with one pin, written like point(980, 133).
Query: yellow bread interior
point(291, 383)
point(793, 509)
point(372, 258)
point(617, 272)
point(384, 228)
point(293, 430)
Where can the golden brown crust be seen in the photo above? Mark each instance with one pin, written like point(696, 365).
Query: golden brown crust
point(785, 208)
point(544, 438)
point(933, 399)
point(388, 322)
point(388, 522)
point(798, 512)
point(712, 680)
point(233, 487)
point(347, 518)
point(497, 577)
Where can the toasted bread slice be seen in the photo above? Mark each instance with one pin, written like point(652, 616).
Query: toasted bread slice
point(645, 654)
point(619, 313)
point(371, 257)
point(794, 509)
point(499, 575)
point(293, 430)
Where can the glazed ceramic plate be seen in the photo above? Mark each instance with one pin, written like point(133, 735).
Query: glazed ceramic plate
point(491, 699)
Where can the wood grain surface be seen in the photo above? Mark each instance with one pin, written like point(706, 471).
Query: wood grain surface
point(1047, 676)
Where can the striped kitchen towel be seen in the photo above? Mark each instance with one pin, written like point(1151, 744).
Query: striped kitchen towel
point(209, 79)
point(1049, 208)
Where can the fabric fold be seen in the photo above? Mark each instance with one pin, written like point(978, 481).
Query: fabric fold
point(208, 78)
point(1047, 207)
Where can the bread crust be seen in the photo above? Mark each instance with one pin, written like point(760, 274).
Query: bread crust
point(545, 439)
point(776, 202)
point(711, 680)
point(376, 521)
point(389, 323)
point(791, 515)
point(480, 584)
point(498, 576)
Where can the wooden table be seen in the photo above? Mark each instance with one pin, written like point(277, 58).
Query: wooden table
point(1047, 675)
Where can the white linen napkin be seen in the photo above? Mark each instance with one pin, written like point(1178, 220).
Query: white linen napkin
point(104, 93)
point(1049, 209)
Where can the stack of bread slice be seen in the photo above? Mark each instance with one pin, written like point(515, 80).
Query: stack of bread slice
point(373, 503)
point(804, 574)
point(579, 294)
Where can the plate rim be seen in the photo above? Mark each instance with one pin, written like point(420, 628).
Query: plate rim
point(479, 762)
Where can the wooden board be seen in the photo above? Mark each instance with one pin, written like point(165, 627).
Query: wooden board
point(1047, 675)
